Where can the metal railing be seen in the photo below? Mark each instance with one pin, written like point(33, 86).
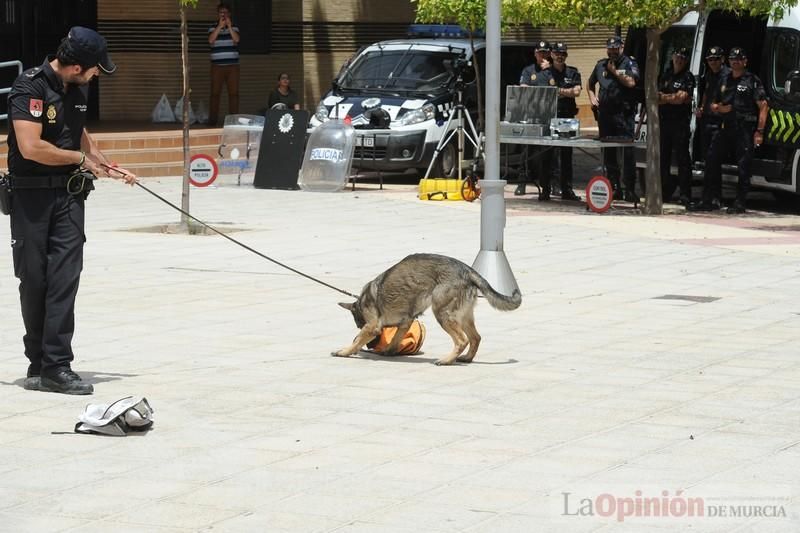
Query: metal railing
point(6, 90)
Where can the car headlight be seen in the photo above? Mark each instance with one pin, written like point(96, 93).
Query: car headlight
point(322, 113)
point(426, 112)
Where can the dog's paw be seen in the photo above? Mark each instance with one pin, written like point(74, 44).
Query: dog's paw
point(443, 362)
point(341, 353)
point(464, 358)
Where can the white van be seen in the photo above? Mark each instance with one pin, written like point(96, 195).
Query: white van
point(773, 51)
point(415, 82)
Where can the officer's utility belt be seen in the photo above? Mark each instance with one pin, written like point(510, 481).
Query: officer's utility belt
point(40, 182)
point(746, 118)
point(75, 183)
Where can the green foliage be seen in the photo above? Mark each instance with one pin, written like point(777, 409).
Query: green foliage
point(471, 14)
point(189, 3)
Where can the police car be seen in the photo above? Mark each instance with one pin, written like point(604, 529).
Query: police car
point(399, 95)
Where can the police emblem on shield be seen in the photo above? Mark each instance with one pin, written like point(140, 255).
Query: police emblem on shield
point(285, 123)
point(51, 112)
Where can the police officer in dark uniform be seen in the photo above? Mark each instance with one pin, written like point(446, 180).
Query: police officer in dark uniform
point(48, 146)
point(742, 102)
point(709, 124)
point(675, 89)
point(568, 81)
point(532, 75)
point(616, 107)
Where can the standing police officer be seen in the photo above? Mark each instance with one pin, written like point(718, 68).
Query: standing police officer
point(742, 102)
point(675, 89)
point(710, 123)
point(568, 81)
point(48, 146)
point(616, 107)
point(532, 75)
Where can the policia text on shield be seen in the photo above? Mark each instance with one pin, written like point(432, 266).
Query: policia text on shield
point(48, 145)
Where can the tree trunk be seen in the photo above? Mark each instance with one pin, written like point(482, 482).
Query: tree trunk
point(186, 103)
point(653, 204)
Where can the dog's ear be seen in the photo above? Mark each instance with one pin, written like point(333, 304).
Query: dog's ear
point(347, 306)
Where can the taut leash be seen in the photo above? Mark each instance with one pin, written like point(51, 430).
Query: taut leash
point(218, 232)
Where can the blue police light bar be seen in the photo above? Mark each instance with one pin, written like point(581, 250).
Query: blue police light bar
point(441, 30)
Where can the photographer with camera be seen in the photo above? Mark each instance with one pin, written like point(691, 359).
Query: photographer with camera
point(224, 41)
point(48, 146)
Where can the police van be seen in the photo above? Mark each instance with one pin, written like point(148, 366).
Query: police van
point(399, 95)
point(773, 52)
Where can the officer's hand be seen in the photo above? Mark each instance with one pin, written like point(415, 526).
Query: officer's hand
point(758, 138)
point(593, 101)
point(545, 64)
point(93, 167)
point(699, 112)
point(612, 68)
point(119, 173)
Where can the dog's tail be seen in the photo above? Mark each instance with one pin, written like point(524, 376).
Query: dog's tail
point(497, 300)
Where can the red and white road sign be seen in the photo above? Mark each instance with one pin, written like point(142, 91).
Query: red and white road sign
point(202, 170)
point(599, 194)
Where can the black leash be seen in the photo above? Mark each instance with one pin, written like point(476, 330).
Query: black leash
point(218, 232)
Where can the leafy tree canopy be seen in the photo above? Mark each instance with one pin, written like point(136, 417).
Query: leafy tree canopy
point(471, 14)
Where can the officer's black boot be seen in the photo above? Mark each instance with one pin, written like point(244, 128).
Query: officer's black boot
point(568, 194)
point(630, 192)
point(520, 190)
point(544, 194)
point(65, 381)
point(33, 377)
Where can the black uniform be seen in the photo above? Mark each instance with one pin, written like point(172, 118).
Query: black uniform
point(710, 123)
point(675, 131)
point(737, 130)
point(566, 79)
point(616, 116)
point(541, 159)
point(46, 220)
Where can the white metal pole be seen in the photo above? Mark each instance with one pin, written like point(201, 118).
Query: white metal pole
point(491, 261)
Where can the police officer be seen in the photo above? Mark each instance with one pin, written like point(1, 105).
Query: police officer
point(568, 81)
point(675, 89)
point(47, 146)
point(709, 124)
point(532, 75)
point(616, 107)
point(742, 102)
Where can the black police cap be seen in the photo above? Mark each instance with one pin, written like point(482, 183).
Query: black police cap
point(682, 52)
point(90, 48)
point(560, 47)
point(543, 46)
point(614, 42)
point(737, 52)
point(715, 51)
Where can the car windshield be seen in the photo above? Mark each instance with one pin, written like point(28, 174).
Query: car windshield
point(404, 70)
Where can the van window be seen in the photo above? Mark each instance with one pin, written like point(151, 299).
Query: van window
point(784, 59)
point(672, 39)
point(408, 70)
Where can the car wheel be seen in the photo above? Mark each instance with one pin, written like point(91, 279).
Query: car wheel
point(446, 164)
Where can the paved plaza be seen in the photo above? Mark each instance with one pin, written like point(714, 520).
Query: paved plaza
point(650, 381)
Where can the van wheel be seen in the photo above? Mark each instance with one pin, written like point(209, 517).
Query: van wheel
point(788, 201)
point(446, 164)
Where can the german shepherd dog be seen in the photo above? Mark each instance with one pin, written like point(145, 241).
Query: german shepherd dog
point(404, 291)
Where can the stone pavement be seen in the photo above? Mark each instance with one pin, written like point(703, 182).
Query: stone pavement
point(653, 369)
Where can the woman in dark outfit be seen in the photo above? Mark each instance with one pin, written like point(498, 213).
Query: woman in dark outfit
point(283, 94)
